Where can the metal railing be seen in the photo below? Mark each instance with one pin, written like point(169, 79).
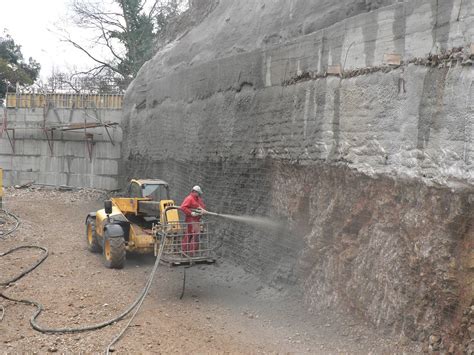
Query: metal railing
point(70, 100)
point(186, 242)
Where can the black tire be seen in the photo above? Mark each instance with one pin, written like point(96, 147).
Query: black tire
point(114, 251)
point(91, 236)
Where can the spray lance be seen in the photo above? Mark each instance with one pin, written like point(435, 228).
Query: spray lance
point(199, 212)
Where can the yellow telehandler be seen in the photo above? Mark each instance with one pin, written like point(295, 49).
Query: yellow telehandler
point(138, 222)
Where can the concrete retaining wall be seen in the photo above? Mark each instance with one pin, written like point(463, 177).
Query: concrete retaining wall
point(66, 159)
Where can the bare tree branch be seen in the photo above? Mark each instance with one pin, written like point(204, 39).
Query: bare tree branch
point(106, 37)
point(93, 71)
point(85, 51)
point(152, 11)
point(126, 30)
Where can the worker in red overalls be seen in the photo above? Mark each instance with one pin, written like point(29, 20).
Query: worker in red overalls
point(194, 208)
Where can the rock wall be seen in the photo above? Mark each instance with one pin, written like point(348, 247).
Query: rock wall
point(371, 167)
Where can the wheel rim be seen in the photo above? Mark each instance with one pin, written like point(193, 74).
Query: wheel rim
point(89, 233)
point(107, 249)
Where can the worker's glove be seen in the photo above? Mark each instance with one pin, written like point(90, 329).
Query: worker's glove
point(196, 212)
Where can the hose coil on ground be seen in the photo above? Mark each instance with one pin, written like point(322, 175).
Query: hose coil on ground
point(39, 307)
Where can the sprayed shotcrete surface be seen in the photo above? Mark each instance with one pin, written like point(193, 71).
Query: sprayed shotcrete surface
point(224, 310)
point(372, 170)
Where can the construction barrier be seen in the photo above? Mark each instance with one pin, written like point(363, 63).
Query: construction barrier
point(99, 101)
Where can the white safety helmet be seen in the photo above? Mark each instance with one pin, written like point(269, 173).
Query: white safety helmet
point(197, 189)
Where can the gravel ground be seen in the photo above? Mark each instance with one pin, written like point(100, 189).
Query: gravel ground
point(224, 310)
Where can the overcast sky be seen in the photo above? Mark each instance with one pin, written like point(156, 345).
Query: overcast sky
point(31, 23)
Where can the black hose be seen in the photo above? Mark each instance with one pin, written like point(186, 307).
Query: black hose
point(30, 269)
point(39, 306)
point(142, 298)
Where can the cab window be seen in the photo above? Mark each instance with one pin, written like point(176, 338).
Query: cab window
point(135, 190)
point(156, 192)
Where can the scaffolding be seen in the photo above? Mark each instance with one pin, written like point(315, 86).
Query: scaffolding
point(72, 102)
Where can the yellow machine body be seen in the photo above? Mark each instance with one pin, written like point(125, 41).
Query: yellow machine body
point(136, 215)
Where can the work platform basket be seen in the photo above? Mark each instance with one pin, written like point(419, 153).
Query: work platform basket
point(186, 243)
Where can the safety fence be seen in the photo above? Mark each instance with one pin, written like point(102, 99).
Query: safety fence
point(67, 100)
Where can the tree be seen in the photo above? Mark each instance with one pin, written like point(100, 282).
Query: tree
point(14, 70)
point(126, 29)
point(63, 81)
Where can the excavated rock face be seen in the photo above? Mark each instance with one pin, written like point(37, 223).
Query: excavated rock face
point(370, 168)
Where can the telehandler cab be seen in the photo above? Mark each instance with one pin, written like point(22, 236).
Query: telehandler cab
point(139, 222)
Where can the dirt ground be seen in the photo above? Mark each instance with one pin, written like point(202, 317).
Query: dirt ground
point(224, 309)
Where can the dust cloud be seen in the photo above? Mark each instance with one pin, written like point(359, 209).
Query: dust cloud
point(257, 222)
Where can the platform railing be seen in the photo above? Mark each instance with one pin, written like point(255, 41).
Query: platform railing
point(69, 101)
